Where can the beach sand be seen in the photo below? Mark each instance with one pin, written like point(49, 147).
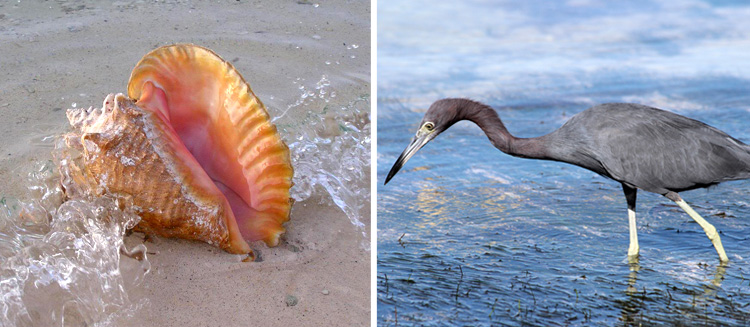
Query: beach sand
point(55, 55)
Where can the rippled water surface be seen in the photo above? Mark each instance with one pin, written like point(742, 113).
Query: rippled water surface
point(470, 236)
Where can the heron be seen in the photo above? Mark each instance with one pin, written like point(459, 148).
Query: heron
point(639, 146)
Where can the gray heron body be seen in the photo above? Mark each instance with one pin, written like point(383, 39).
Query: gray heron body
point(639, 146)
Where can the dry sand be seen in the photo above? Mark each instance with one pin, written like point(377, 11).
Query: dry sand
point(56, 53)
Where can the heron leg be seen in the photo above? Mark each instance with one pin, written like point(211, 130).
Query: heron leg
point(710, 230)
point(630, 196)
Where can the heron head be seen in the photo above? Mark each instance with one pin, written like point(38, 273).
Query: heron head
point(441, 115)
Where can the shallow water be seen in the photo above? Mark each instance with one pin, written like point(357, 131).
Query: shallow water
point(470, 236)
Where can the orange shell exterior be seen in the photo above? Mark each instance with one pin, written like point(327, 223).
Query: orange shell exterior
point(126, 152)
point(225, 127)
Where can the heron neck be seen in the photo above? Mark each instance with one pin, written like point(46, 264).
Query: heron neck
point(488, 120)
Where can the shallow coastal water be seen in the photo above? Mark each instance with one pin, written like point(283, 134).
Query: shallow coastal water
point(308, 62)
point(470, 236)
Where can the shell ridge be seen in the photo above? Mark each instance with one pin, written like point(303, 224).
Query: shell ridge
point(244, 121)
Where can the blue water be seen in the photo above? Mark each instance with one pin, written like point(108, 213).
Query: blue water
point(470, 236)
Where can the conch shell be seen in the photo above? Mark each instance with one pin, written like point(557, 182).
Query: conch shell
point(194, 149)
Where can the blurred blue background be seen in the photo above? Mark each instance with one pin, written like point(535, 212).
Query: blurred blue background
point(470, 236)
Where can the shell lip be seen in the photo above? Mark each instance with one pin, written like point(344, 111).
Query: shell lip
point(146, 75)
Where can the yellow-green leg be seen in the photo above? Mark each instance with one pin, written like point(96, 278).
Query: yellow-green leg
point(710, 230)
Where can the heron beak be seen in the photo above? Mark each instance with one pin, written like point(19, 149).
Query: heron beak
point(416, 143)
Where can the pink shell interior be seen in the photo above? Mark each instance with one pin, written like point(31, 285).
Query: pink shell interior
point(227, 131)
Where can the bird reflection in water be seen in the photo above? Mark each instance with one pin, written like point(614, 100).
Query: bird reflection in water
point(632, 309)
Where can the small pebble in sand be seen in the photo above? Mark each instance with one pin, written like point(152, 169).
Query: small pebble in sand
point(325, 292)
point(291, 300)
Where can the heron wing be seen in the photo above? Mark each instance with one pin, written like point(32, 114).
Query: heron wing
point(653, 149)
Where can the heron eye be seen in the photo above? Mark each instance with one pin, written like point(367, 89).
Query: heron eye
point(429, 126)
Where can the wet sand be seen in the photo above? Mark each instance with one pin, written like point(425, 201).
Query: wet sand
point(55, 55)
